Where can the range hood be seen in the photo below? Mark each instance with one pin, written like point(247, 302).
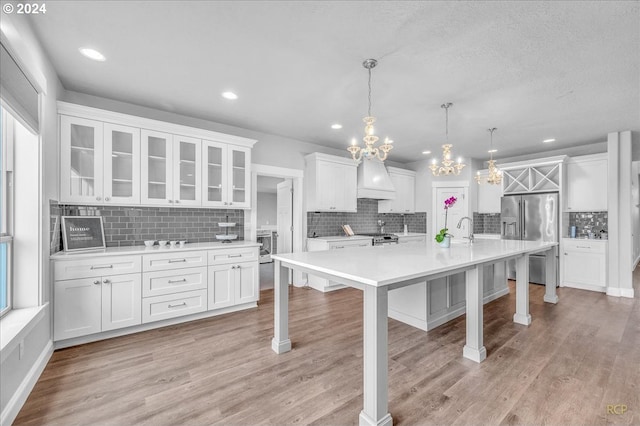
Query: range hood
point(374, 181)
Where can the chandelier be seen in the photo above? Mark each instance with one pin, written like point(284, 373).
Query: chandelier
point(448, 166)
point(369, 151)
point(494, 176)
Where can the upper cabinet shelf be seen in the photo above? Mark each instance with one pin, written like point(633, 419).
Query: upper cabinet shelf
point(109, 158)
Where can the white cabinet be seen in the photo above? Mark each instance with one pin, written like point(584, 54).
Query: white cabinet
point(171, 169)
point(226, 175)
point(118, 159)
point(488, 196)
point(330, 183)
point(233, 284)
point(89, 305)
point(100, 162)
point(333, 243)
point(587, 183)
point(404, 181)
point(406, 239)
point(584, 264)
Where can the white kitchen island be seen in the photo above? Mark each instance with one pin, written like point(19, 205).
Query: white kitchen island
point(376, 270)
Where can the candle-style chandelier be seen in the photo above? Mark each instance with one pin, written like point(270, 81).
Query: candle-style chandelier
point(494, 177)
point(448, 166)
point(369, 151)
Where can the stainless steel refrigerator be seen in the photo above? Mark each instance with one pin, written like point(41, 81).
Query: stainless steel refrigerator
point(532, 217)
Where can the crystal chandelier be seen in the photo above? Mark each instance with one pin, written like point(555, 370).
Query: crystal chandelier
point(494, 176)
point(448, 166)
point(369, 151)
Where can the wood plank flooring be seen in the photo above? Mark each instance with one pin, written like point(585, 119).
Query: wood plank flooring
point(576, 358)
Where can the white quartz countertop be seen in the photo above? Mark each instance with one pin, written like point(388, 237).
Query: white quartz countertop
point(343, 238)
point(487, 236)
point(392, 263)
point(120, 251)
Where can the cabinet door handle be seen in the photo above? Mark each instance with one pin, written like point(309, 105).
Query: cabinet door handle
point(184, 280)
point(233, 266)
point(171, 201)
point(338, 247)
point(177, 201)
point(177, 260)
point(179, 304)
point(584, 247)
point(102, 267)
point(98, 198)
point(106, 281)
point(235, 255)
point(106, 198)
point(225, 203)
point(97, 282)
point(565, 253)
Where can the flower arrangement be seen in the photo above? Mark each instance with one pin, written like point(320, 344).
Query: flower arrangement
point(443, 232)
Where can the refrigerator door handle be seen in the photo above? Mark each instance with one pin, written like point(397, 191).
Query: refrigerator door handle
point(524, 219)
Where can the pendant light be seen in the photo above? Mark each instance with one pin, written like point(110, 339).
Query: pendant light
point(448, 166)
point(494, 176)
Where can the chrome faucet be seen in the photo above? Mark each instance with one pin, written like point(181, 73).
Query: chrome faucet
point(470, 237)
point(381, 225)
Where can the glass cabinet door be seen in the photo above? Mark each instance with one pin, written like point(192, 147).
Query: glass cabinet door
point(121, 164)
point(156, 168)
point(214, 175)
point(239, 175)
point(82, 160)
point(187, 168)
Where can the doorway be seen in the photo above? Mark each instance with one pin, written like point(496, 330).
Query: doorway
point(276, 219)
point(443, 191)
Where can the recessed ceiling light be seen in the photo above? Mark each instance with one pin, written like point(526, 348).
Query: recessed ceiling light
point(548, 140)
point(229, 95)
point(336, 126)
point(426, 152)
point(92, 54)
point(491, 151)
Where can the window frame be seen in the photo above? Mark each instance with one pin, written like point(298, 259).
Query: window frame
point(6, 198)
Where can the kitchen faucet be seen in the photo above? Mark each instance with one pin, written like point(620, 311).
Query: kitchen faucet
point(470, 237)
point(381, 225)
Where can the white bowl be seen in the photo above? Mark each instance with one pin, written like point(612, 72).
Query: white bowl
point(173, 243)
point(182, 243)
point(149, 243)
point(162, 243)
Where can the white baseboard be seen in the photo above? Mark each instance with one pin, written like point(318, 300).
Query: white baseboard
point(590, 287)
point(613, 291)
point(627, 292)
point(18, 399)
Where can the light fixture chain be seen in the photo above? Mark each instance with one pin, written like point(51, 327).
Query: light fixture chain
point(369, 110)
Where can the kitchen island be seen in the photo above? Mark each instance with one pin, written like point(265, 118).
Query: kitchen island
point(376, 270)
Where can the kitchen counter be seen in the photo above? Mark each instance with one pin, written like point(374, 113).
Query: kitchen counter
point(119, 251)
point(487, 236)
point(376, 270)
point(409, 234)
point(342, 238)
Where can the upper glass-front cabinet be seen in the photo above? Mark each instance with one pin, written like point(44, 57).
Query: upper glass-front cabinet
point(121, 164)
point(81, 160)
point(156, 168)
point(226, 179)
point(187, 169)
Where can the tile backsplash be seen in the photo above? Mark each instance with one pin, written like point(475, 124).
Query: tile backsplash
point(586, 222)
point(131, 226)
point(325, 224)
point(486, 223)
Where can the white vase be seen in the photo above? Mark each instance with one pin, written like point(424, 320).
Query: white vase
point(446, 242)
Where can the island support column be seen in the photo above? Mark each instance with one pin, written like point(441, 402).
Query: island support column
point(375, 411)
point(280, 342)
point(522, 291)
point(551, 264)
point(474, 348)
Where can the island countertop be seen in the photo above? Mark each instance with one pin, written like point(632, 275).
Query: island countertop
point(387, 264)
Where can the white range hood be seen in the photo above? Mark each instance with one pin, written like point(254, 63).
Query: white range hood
point(374, 181)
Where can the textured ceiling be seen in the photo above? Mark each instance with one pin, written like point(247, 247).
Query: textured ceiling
point(535, 70)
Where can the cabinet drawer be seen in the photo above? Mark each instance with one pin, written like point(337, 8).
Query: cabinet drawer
point(174, 260)
point(173, 305)
point(345, 244)
point(240, 254)
point(96, 267)
point(158, 283)
point(585, 246)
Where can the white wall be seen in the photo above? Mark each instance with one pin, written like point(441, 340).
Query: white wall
point(635, 210)
point(267, 209)
point(19, 372)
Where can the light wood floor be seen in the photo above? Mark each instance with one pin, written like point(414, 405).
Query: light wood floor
point(575, 359)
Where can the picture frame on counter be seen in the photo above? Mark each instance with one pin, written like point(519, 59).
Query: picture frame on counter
point(82, 233)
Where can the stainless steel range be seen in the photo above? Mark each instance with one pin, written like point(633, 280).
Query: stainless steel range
point(379, 239)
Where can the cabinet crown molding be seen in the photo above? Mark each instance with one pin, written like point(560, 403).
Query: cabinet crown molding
point(328, 157)
point(66, 108)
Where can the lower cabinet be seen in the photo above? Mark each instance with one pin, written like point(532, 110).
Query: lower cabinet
point(156, 287)
point(232, 284)
point(91, 305)
point(430, 304)
point(584, 264)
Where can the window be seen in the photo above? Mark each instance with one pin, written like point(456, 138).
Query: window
point(6, 209)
